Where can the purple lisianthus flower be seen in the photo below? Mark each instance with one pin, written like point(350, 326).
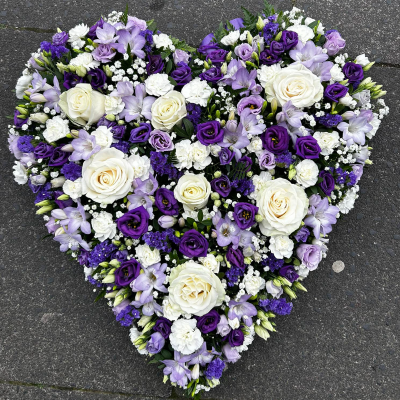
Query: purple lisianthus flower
point(155, 64)
point(244, 214)
point(217, 56)
point(328, 182)
point(182, 74)
point(276, 48)
point(269, 58)
point(118, 131)
point(212, 75)
point(334, 42)
point(310, 255)
point(163, 326)
point(308, 54)
point(71, 80)
point(98, 78)
point(127, 272)
point(335, 92)
point(207, 45)
point(71, 171)
point(235, 337)
point(266, 160)
point(156, 343)
point(302, 234)
point(276, 139)
point(43, 150)
point(353, 72)
point(236, 258)
point(166, 202)
point(58, 158)
point(208, 322)
point(92, 31)
point(230, 353)
point(244, 51)
point(290, 39)
point(254, 103)
point(289, 273)
point(242, 308)
point(104, 53)
point(140, 134)
point(84, 147)
point(307, 147)
point(193, 244)
point(134, 223)
point(210, 132)
point(225, 156)
point(358, 171)
point(221, 185)
point(161, 140)
point(237, 23)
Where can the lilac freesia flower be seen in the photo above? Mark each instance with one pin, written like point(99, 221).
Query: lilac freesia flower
point(105, 34)
point(230, 353)
point(133, 39)
point(321, 215)
point(242, 310)
point(84, 147)
point(307, 54)
point(323, 70)
point(355, 129)
point(39, 84)
point(73, 217)
point(246, 243)
point(148, 186)
point(202, 356)
point(245, 80)
point(250, 124)
point(148, 308)
point(70, 241)
point(227, 232)
point(52, 96)
point(177, 370)
point(234, 138)
point(233, 68)
point(291, 115)
point(141, 199)
point(155, 343)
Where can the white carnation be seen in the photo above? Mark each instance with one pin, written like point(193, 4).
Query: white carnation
point(281, 246)
point(146, 256)
point(253, 284)
point(20, 175)
point(104, 226)
point(327, 141)
point(307, 173)
point(113, 105)
point(197, 92)
point(73, 188)
point(158, 85)
point(305, 32)
point(185, 337)
point(84, 60)
point(210, 262)
point(162, 41)
point(141, 166)
point(104, 136)
point(231, 38)
point(362, 59)
point(201, 156)
point(336, 73)
point(23, 84)
point(56, 128)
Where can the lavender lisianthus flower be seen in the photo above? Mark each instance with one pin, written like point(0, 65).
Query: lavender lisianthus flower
point(193, 244)
point(134, 223)
point(254, 103)
point(266, 160)
point(302, 235)
point(161, 141)
point(310, 255)
point(128, 271)
point(358, 171)
point(244, 51)
point(104, 53)
point(181, 56)
point(156, 343)
point(334, 42)
point(60, 38)
point(225, 156)
point(308, 54)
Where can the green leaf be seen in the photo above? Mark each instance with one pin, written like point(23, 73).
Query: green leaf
point(188, 127)
point(207, 222)
point(220, 32)
point(173, 82)
point(268, 9)
point(100, 295)
point(152, 26)
point(249, 19)
point(168, 67)
point(190, 221)
point(124, 18)
point(200, 215)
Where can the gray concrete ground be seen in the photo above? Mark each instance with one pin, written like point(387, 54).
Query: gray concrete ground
point(341, 341)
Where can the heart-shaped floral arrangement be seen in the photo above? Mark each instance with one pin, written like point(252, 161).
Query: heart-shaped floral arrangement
point(195, 186)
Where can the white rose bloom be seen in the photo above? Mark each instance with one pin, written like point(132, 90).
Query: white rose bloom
point(210, 262)
point(168, 110)
point(82, 104)
point(185, 337)
point(193, 191)
point(231, 38)
point(73, 188)
point(146, 256)
point(281, 246)
point(201, 155)
point(158, 85)
point(327, 141)
point(56, 128)
point(305, 32)
point(307, 173)
point(253, 284)
point(75, 35)
point(195, 289)
point(298, 84)
point(107, 176)
point(84, 60)
point(197, 92)
point(23, 84)
point(376, 123)
point(362, 59)
point(336, 73)
point(104, 226)
point(171, 311)
point(104, 136)
point(346, 100)
point(162, 40)
point(141, 166)
point(19, 173)
point(184, 154)
point(259, 182)
point(283, 207)
point(113, 105)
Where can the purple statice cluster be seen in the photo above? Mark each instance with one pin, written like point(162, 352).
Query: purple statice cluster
point(161, 166)
point(57, 46)
point(101, 252)
point(348, 178)
point(44, 193)
point(277, 306)
point(285, 158)
point(272, 263)
point(148, 35)
point(126, 316)
point(244, 186)
point(95, 282)
point(122, 145)
point(270, 30)
point(194, 113)
point(329, 120)
point(159, 240)
point(215, 369)
point(233, 274)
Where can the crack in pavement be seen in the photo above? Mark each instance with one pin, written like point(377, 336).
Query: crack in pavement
point(24, 28)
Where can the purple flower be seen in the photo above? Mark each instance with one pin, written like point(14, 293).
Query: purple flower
point(307, 147)
point(236, 337)
point(244, 214)
point(98, 78)
point(269, 58)
point(217, 56)
point(84, 147)
point(225, 156)
point(60, 38)
point(92, 31)
point(208, 322)
point(166, 202)
point(118, 131)
point(103, 53)
point(134, 223)
point(328, 182)
point(323, 70)
point(156, 343)
point(182, 75)
point(254, 103)
point(242, 310)
point(163, 325)
point(24, 144)
point(279, 307)
point(177, 370)
point(210, 132)
point(132, 39)
point(155, 64)
point(43, 150)
point(212, 75)
point(231, 354)
point(291, 115)
point(140, 134)
point(207, 46)
point(334, 42)
point(237, 23)
point(302, 235)
point(227, 232)
point(310, 255)
point(335, 92)
point(235, 138)
point(245, 80)
point(71, 241)
point(221, 185)
point(72, 171)
point(358, 171)
point(181, 56)
point(289, 273)
point(308, 54)
point(58, 158)
point(236, 258)
point(290, 39)
point(161, 141)
point(353, 72)
point(266, 160)
point(193, 244)
point(249, 123)
point(355, 129)
point(215, 369)
point(127, 272)
point(276, 48)
point(329, 120)
point(276, 139)
point(244, 51)
point(71, 80)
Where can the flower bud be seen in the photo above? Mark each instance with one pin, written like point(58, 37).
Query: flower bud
point(37, 98)
point(298, 285)
point(206, 65)
point(110, 117)
point(231, 116)
point(115, 263)
point(63, 197)
point(167, 221)
point(182, 222)
point(249, 38)
point(109, 279)
point(289, 292)
point(217, 174)
point(148, 326)
point(215, 196)
point(22, 110)
point(111, 295)
point(260, 331)
point(224, 68)
point(40, 118)
point(44, 210)
point(247, 260)
point(144, 320)
point(260, 24)
point(278, 36)
point(259, 218)
point(368, 66)
point(58, 182)
point(214, 235)
point(43, 203)
point(267, 325)
point(195, 372)
point(81, 71)
point(249, 174)
point(229, 56)
point(219, 258)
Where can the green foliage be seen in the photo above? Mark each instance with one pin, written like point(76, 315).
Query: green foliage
point(124, 18)
point(268, 9)
point(182, 45)
point(249, 19)
point(220, 32)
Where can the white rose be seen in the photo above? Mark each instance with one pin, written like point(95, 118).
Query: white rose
point(281, 246)
point(104, 226)
point(20, 175)
point(231, 38)
point(82, 104)
point(171, 311)
point(336, 73)
point(158, 85)
point(168, 110)
point(104, 136)
point(84, 60)
point(201, 156)
point(305, 32)
point(253, 284)
point(56, 128)
point(146, 256)
point(185, 337)
point(307, 173)
point(197, 92)
point(184, 154)
point(210, 262)
point(362, 59)
point(327, 141)
point(193, 191)
point(107, 176)
point(141, 166)
point(298, 84)
point(283, 207)
point(113, 105)
point(73, 188)
point(162, 40)
point(23, 84)
point(195, 289)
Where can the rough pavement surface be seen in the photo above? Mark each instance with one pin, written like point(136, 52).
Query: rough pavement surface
point(341, 341)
